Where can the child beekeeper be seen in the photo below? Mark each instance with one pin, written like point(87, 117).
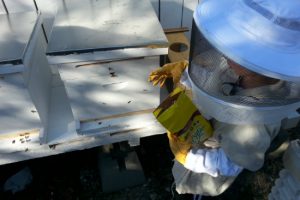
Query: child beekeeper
point(244, 73)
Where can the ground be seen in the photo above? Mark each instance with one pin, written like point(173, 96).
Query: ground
point(75, 176)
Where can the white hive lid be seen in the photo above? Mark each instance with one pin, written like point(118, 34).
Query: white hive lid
point(87, 26)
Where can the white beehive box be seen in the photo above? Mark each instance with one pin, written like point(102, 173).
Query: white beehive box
point(25, 80)
point(105, 30)
point(104, 52)
point(85, 31)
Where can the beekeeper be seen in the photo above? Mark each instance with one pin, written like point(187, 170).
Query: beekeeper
point(244, 73)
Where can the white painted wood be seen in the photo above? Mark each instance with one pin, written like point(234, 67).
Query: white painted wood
point(97, 79)
point(20, 141)
point(2, 9)
point(187, 16)
point(87, 26)
point(129, 90)
point(48, 8)
point(107, 55)
point(17, 112)
point(81, 143)
point(38, 74)
point(14, 6)
point(155, 4)
point(171, 13)
point(16, 30)
point(120, 124)
point(110, 89)
point(61, 127)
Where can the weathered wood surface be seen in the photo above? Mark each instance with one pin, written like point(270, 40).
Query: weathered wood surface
point(101, 90)
point(25, 145)
point(16, 30)
point(115, 93)
point(104, 56)
point(80, 27)
point(19, 142)
point(25, 94)
point(35, 150)
point(171, 13)
point(17, 110)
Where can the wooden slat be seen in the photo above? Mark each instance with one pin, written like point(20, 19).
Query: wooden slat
point(14, 6)
point(36, 150)
point(176, 30)
point(107, 55)
point(19, 134)
point(118, 125)
point(187, 16)
point(19, 141)
point(123, 115)
point(171, 13)
point(10, 69)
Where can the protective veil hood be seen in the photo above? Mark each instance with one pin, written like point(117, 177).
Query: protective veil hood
point(261, 35)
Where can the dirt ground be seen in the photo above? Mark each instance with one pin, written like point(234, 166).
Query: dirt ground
point(75, 176)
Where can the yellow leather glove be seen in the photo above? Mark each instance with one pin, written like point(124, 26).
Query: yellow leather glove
point(170, 70)
point(179, 148)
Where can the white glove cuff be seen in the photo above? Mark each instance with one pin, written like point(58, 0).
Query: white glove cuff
point(211, 161)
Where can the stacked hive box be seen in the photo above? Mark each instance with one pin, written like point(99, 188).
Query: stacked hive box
point(96, 91)
point(103, 51)
point(25, 82)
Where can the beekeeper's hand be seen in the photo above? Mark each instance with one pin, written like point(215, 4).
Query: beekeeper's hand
point(170, 70)
point(179, 148)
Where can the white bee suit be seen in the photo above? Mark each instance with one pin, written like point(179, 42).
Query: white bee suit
point(262, 36)
point(244, 145)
